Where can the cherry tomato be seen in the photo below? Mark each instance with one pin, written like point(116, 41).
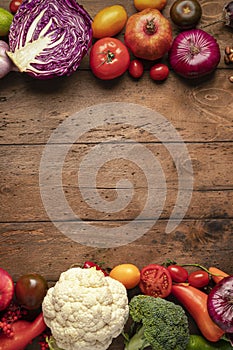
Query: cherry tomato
point(153, 4)
point(109, 58)
point(30, 290)
point(109, 21)
point(198, 279)
point(136, 69)
point(155, 281)
point(186, 13)
point(14, 5)
point(127, 274)
point(159, 72)
point(178, 273)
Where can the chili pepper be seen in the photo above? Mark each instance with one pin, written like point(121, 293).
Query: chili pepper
point(217, 274)
point(197, 342)
point(23, 333)
point(195, 302)
point(89, 264)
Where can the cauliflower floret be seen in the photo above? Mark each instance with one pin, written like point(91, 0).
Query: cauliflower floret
point(85, 310)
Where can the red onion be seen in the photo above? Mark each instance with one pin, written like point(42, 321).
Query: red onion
point(194, 53)
point(6, 65)
point(220, 304)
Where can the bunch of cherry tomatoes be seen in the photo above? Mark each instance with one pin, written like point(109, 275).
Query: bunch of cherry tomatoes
point(156, 280)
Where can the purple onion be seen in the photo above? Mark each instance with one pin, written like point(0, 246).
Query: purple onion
point(194, 53)
point(6, 65)
point(220, 304)
point(49, 38)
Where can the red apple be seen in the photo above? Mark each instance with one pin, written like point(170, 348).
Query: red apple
point(6, 289)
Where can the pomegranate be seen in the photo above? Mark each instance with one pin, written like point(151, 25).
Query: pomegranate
point(148, 34)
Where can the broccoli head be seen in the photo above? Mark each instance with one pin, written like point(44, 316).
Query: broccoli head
point(158, 323)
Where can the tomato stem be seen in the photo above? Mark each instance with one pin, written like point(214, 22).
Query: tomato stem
point(186, 9)
point(202, 268)
point(110, 56)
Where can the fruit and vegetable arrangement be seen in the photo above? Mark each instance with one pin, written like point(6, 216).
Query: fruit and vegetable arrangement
point(90, 305)
point(50, 38)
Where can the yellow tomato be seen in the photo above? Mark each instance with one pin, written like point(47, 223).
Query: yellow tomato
point(109, 21)
point(127, 274)
point(153, 4)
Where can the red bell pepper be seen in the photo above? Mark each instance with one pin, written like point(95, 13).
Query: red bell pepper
point(88, 264)
point(195, 302)
point(217, 274)
point(23, 333)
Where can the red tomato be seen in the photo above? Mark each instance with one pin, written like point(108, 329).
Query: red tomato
point(178, 273)
point(159, 72)
point(155, 280)
point(198, 279)
point(14, 5)
point(136, 69)
point(109, 58)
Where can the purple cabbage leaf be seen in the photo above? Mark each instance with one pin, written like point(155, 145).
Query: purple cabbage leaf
point(49, 38)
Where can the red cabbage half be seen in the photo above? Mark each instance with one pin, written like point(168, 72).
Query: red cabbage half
point(49, 38)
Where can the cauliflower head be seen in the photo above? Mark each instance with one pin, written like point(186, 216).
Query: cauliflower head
point(85, 310)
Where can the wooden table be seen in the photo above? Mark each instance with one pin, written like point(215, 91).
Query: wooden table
point(199, 111)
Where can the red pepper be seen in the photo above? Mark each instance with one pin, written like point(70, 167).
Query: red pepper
point(195, 302)
point(89, 264)
point(217, 274)
point(24, 333)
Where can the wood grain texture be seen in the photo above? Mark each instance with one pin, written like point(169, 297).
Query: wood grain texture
point(20, 182)
point(201, 113)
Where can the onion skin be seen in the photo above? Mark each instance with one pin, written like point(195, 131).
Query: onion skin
point(194, 53)
point(220, 304)
point(6, 65)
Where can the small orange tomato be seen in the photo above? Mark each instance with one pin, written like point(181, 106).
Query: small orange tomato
point(153, 4)
point(109, 21)
point(127, 274)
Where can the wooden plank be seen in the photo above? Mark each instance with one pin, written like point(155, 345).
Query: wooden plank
point(31, 110)
point(42, 248)
point(212, 168)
